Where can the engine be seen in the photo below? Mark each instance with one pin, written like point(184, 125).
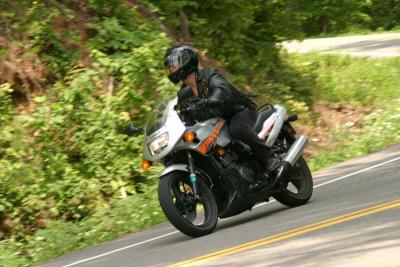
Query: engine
point(237, 168)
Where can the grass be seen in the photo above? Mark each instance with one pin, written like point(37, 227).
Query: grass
point(123, 216)
point(380, 129)
point(368, 83)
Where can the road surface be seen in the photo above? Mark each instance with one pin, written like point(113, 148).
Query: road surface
point(374, 45)
point(353, 219)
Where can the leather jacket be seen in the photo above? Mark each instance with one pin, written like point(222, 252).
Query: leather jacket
point(219, 97)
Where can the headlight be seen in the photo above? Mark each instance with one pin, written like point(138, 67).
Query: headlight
point(158, 144)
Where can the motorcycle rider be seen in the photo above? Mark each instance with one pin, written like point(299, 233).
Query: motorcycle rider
point(206, 94)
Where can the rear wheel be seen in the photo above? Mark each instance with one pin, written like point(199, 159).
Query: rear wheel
point(299, 185)
point(190, 216)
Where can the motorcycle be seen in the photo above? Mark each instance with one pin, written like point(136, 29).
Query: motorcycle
point(208, 175)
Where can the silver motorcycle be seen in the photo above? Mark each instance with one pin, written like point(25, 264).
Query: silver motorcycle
point(208, 175)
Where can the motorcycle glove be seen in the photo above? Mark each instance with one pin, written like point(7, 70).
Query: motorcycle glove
point(197, 105)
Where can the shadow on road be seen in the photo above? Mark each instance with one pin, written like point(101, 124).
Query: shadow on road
point(224, 224)
point(249, 218)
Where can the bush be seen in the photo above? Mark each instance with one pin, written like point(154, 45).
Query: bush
point(58, 237)
point(68, 156)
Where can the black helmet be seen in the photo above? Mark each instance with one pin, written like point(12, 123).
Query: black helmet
point(182, 57)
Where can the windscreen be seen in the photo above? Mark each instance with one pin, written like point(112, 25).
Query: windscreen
point(157, 117)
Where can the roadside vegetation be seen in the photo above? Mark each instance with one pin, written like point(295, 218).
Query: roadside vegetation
point(361, 97)
point(74, 73)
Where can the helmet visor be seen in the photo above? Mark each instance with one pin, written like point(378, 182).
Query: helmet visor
point(176, 60)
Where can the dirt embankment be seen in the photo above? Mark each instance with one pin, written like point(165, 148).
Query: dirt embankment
point(334, 120)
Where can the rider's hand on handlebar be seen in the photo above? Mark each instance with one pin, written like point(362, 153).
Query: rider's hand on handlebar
point(196, 105)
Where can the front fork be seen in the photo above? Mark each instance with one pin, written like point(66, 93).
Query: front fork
point(193, 176)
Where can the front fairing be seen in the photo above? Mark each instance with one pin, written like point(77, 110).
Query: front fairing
point(164, 119)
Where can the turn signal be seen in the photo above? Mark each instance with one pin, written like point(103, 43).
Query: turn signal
point(145, 165)
point(189, 136)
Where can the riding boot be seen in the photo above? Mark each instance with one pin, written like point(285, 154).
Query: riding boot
point(270, 161)
point(272, 165)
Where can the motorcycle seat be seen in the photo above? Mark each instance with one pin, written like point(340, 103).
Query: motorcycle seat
point(262, 116)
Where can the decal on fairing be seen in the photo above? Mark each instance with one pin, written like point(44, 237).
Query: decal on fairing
point(212, 139)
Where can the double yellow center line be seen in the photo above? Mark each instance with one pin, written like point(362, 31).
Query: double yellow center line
point(291, 233)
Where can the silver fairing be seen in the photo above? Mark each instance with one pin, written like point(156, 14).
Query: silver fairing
point(172, 125)
point(203, 130)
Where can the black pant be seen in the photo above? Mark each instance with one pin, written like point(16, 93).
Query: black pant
point(241, 127)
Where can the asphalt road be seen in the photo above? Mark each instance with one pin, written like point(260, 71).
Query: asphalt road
point(373, 45)
point(353, 219)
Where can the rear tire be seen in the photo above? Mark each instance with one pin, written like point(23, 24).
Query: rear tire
point(300, 176)
point(181, 210)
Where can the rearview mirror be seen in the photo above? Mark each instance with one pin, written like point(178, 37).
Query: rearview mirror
point(133, 129)
point(292, 117)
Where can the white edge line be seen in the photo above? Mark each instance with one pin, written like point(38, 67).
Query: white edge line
point(123, 248)
point(256, 206)
point(357, 172)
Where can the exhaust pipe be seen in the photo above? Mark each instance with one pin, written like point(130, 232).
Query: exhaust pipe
point(296, 150)
point(291, 157)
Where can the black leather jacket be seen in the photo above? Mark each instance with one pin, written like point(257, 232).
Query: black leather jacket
point(222, 98)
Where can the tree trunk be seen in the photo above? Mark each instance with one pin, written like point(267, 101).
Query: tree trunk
point(184, 27)
point(323, 23)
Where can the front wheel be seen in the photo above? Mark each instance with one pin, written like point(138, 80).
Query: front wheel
point(299, 185)
point(190, 216)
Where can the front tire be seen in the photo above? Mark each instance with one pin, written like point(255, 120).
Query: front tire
point(192, 217)
point(300, 185)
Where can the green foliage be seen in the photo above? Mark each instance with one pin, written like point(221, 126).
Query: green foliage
point(291, 84)
point(105, 8)
point(231, 31)
point(6, 106)
point(332, 16)
point(360, 81)
point(68, 161)
point(77, 156)
point(58, 237)
point(384, 14)
point(32, 27)
point(44, 41)
point(329, 17)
